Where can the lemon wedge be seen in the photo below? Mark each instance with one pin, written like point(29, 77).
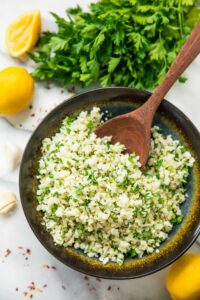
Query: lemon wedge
point(22, 34)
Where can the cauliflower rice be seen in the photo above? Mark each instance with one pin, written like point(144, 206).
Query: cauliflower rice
point(95, 198)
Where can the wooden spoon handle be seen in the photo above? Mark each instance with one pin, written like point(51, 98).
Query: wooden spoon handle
point(187, 54)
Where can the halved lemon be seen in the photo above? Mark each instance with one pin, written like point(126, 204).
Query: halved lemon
point(22, 34)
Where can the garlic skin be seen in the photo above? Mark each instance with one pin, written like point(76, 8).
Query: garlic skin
point(8, 202)
point(10, 157)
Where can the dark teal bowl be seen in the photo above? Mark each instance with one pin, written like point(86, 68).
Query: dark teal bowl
point(118, 101)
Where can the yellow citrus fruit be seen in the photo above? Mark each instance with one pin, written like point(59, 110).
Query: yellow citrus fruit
point(16, 90)
point(22, 34)
point(183, 279)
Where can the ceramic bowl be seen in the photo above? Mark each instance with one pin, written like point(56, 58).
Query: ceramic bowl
point(118, 101)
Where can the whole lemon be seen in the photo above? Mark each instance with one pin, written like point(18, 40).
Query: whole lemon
point(183, 279)
point(16, 90)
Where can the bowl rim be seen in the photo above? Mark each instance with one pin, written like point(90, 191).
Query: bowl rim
point(79, 269)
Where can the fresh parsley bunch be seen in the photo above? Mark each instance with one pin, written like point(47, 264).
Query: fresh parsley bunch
point(122, 42)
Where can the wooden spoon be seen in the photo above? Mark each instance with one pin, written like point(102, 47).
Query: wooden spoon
point(134, 129)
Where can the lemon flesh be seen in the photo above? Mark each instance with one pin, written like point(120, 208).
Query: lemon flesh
point(17, 87)
point(22, 34)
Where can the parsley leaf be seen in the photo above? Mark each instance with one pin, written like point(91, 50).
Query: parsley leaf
point(133, 253)
point(113, 63)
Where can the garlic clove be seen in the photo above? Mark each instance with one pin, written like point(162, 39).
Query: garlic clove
point(10, 157)
point(13, 154)
point(8, 202)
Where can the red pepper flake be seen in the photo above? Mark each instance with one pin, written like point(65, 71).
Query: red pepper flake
point(28, 251)
point(31, 287)
point(33, 115)
point(25, 294)
point(71, 89)
point(8, 252)
point(16, 289)
point(20, 247)
point(109, 288)
point(86, 277)
point(63, 287)
point(98, 279)
point(53, 267)
point(46, 266)
point(31, 296)
point(45, 285)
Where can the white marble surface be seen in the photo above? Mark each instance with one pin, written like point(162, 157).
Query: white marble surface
point(63, 283)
